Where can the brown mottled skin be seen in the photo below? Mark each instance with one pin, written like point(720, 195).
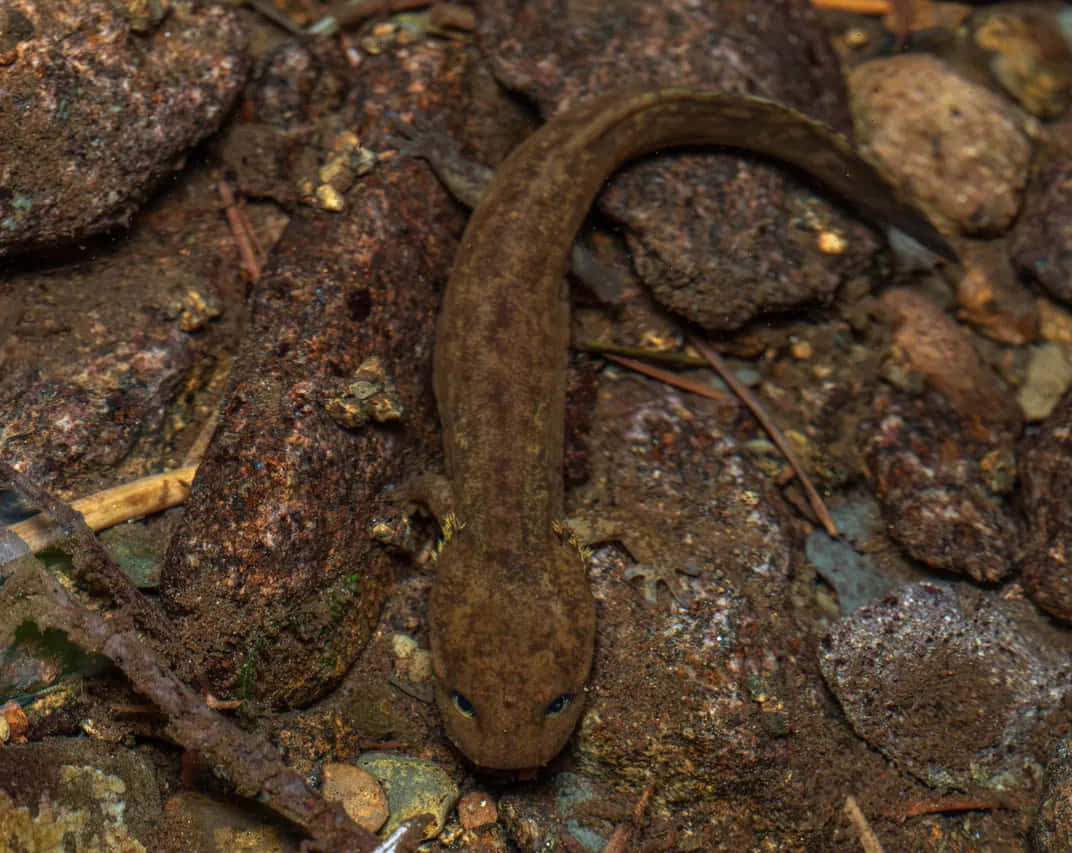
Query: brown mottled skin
point(511, 615)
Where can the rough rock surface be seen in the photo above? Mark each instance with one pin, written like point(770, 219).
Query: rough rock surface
point(957, 147)
point(275, 576)
point(944, 683)
point(940, 486)
point(1052, 832)
point(1042, 239)
point(95, 114)
point(70, 794)
point(1045, 468)
point(719, 237)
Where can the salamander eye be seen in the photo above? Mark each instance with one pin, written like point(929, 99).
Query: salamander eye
point(462, 705)
point(558, 705)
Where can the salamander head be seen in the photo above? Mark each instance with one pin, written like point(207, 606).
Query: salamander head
point(512, 644)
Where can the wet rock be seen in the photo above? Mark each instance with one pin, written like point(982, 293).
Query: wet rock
point(85, 407)
point(931, 472)
point(290, 110)
point(946, 685)
point(1045, 469)
point(1042, 240)
point(76, 794)
point(415, 787)
point(534, 823)
point(137, 550)
point(105, 111)
point(765, 251)
point(477, 809)
point(275, 575)
point(957, 147)
point(1052, 832)
point(853, 575)
point(1029, 56)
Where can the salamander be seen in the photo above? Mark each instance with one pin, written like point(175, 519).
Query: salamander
point(512, 620)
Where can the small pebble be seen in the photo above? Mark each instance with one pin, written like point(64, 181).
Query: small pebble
point(1049, 374)
point(1055, 322)
point(801, 350)
point(403, 645)
point(832, 243)
point(361, 795)
point(477, 809)
point(329, 198)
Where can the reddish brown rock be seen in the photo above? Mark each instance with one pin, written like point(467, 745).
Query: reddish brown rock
point(275, 576)
point(939, 481)
point(929, 345)
point(95, 114)
point(1045, 468)
point(1042, 240)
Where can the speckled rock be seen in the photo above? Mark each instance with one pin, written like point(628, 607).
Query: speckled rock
point(718, 237)
point(940, 481)
point(957, 147)
point(1042, 239)
point(1052, 832)
point(693, 680)
point(941, 679)
point(275, 575)
point(99, 382)
point(1045, 468)
point(96, 114)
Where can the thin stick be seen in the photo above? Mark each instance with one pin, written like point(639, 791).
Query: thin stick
point(112, 506)
point(242, 231)
point(668, 378)
point(960, 803)
point(675, 359)
point(753, 404)
point(868, 840)
point(860, 7)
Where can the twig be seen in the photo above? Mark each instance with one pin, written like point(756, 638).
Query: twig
point(753, 404)
point(860, 7)
point(667, 377)
point(90, 562)
point(959, 803)
point(868, 840)
point(248, 760)
point(242, 231)
point(674, 359)
point(111, 506)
